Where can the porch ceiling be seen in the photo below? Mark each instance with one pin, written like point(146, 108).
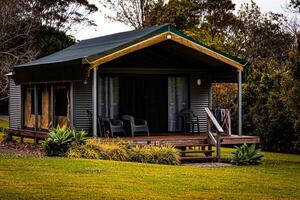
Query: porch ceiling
point(169, 57)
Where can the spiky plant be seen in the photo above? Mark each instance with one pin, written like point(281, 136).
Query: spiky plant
point(58, 141)
point(78, 137)
point(246, 155)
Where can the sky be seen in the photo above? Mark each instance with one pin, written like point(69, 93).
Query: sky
point(105, 27)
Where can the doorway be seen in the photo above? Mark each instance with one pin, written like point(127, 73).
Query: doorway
point(145, 98)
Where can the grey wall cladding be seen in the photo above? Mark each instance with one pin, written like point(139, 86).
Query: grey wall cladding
point(83, 101)
point(15, 113)
point(200, 98)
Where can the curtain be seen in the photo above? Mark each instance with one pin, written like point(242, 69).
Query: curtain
point(45, 117)
point(28, 108)
point(177, 101)
point(108, 97)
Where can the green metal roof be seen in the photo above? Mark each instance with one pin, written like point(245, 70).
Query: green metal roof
point(87, 51)
point(95, 48)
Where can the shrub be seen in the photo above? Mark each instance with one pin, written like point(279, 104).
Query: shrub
point(83, 152)
point(79, 137)
point(125, 151)
point(95, 149)
point(155, 154)
point(245, 155)
point(6, 136)
point(60, 139)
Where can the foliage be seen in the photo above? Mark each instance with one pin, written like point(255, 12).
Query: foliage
point(49, 40)
point(6, 137)
point(154, 154)
point(16, 38)
point(78, 137)
point(60, 139)
point(246, 155)
point(295, 4)
point(62, 15)
point(124, 151)
point(142, 13)
point(35, 28)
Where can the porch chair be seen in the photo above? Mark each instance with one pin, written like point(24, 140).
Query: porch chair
point(90, 117)
point(112, 125)
point(99, 123)
point(189, 120)
point(135, 125)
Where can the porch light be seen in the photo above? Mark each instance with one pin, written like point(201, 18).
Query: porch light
point(199, 82)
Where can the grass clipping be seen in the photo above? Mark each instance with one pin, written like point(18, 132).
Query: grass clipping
point(124, 151)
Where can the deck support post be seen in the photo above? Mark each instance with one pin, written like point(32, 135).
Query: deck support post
point(95, 102)
point(52, 105)
point(239, 102)
point(72, 105)
point(36, 112)
point(218, 146)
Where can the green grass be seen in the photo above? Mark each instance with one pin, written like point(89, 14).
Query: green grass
point(3, 123)
point(61, 178)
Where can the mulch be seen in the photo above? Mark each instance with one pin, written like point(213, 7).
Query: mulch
point(24, 149)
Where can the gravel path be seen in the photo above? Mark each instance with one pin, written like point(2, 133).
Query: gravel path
point(214, 164)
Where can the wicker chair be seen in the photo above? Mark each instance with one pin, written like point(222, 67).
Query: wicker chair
point(113, 126)
point(135, 125)
point(189, 120)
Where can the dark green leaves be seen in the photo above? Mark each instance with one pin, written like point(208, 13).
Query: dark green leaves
point(246, 155)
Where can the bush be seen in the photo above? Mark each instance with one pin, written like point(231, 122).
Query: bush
point(6, 136)
point(124, 151)
point(154, 154)
point(83, 152)
point(60, 139)
point(245, 155)
point(79, 137)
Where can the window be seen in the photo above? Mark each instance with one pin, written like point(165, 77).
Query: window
point(40, 101)
point(61, 101)
point(32, 101)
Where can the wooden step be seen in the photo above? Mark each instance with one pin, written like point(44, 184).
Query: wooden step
point(198, 151)
point(193, 145)
point(195, 158)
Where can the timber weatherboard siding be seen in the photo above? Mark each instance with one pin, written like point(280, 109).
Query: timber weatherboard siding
point(15, 101)
point(200, 98)
point(82, 102)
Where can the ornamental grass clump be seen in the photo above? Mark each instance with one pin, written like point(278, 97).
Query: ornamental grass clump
point(246, 155)
point(155, 154)
point(96, 149)
point(125, 151)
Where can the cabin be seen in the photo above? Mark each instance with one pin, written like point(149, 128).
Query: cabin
point(152, 73)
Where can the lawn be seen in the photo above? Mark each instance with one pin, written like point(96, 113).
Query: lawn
point(61, 178)
point(3, 123)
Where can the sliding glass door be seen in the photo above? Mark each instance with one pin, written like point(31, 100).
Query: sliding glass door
point(46, 105)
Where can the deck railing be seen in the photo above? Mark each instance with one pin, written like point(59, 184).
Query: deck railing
point(215, 138)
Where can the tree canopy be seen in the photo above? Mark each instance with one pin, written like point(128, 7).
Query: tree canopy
point(34, 28)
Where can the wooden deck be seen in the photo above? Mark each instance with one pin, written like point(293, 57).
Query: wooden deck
point(180, 141)
point(177, 140)
point(190, 146)
point(36, 135)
